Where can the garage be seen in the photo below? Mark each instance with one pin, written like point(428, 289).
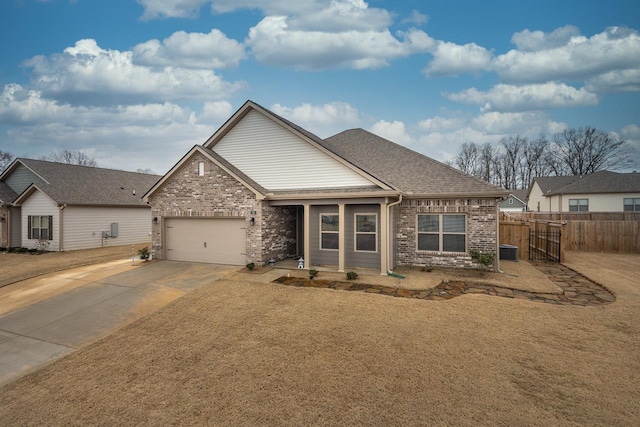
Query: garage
point(213, 241)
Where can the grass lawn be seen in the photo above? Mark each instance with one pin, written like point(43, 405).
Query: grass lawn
point(246, 353)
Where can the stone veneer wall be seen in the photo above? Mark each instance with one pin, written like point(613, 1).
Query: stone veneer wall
point(482, 230)
point(4, 227)
point(218, 194)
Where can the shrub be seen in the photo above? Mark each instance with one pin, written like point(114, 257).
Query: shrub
point(485, 258)
point(144, 253)
point(251, 266)
point(313, 273)
point(352, 275)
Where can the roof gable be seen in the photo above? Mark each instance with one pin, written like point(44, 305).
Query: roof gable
point(279, 155)
point(7, 195)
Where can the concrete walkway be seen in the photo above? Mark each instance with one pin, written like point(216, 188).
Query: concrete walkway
point(49, 316)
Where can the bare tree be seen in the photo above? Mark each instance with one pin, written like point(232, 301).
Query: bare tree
point(513, 149)
point(147, 171)
point(71, 157)
point(588, 150)
point(467, 158)
point(534, 160)
point(5, 159)
point(486, 159)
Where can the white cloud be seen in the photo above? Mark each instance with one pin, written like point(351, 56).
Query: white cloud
point(86, 73)
point(154, 9)
point(450, 59)
point(440, 124)
point(274, 43)
point(416, 18)
point(503, 97)
point(526, 124)
point(616, 81)
point(190, 50)
point(393, 131)
point(579, 58)
point(323, 120)
point(215, 112)
point(531, 41)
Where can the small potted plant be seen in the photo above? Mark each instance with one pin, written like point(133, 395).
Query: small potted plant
point(144, 253)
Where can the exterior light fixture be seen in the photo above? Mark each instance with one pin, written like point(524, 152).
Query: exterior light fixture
point(252, 222)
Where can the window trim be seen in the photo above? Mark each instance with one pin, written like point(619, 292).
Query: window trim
point(356, 232)
point(578, 204)
point(49, 227)
point(635, 204)
point(320, 231)
point(441, 233)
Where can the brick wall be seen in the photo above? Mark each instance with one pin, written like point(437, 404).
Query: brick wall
point(481, 230)
point(218, 194)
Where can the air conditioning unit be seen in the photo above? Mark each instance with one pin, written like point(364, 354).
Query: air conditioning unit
point(509, 252)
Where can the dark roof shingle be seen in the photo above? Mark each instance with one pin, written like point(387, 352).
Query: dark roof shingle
point(405, 169)
point(85, 185)
point(597, 182)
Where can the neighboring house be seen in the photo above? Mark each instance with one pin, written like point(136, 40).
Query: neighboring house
point(66, 207)
point(602, 191)
point(515, 202)
point(263, 188)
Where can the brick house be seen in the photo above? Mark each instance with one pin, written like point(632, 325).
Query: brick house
point(263, 188)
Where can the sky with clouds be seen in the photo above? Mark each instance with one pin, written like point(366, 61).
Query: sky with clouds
point(136, 84)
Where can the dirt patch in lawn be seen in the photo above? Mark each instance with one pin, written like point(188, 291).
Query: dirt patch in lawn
point(248, 353)
point(15, 267)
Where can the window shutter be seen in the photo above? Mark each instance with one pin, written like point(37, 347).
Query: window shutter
point(50, 227)
point(29, 227)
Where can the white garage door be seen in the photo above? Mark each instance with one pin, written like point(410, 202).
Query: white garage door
point(215, 241)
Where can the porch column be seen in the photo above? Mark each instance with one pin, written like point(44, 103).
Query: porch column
point(384, 240)
point(341, 233)
point(307, 233)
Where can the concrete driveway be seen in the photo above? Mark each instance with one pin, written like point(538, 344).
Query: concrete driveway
point(46, 317)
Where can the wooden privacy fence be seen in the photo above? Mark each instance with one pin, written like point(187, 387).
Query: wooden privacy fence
point(613, 232)
point(535, 239)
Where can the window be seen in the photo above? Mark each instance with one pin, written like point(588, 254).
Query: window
point(201, 168)
point(510, 200)
point(578, 205)
point(442, 233)
point(329, 231)
point(40, 227)
point(366, 226)
point(631, 204)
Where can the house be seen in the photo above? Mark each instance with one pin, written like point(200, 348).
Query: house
point(262, 188)
point(602, 191)
point(515, 202)
point(61, 207)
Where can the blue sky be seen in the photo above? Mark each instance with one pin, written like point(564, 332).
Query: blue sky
point(135, 84)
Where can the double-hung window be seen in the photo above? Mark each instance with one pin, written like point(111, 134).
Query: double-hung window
point(366, 233)
point(40, 227)
point(442, 233)
point(329, 231)
point(578, 205)
point(631, 205)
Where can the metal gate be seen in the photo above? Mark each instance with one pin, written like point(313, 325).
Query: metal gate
point(544, 245)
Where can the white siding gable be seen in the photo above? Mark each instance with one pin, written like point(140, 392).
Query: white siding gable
point(277, 159)
point(40, 204)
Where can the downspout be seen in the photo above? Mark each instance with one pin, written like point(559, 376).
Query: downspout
point(60, 233)
point(389, 239)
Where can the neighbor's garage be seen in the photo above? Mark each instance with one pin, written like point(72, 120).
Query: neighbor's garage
point(215, 241)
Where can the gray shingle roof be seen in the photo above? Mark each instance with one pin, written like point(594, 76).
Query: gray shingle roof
point(7, 195)
point(84, 185)
point(598, 182)
point(405, 169)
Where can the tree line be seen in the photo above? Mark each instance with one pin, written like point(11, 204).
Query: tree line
point(515, 160)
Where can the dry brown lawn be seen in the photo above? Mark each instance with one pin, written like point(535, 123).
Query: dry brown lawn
point(15, 267)
point(248, 353)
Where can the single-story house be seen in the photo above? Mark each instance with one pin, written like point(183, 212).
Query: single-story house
point(60, 207)
point(515, 202)
point(262, 188)
point(602, 191)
